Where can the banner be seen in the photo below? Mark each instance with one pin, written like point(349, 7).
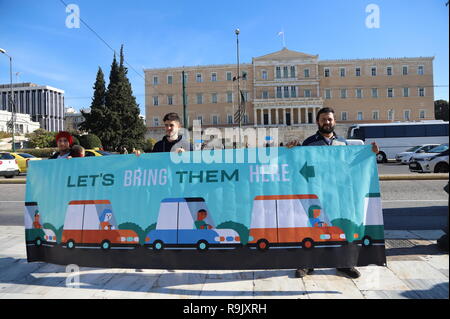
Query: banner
point(256, 208)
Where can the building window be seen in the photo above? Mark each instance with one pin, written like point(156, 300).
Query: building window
point(185, 77)
point(405, 92)
point(278, 72)
point(390, 115)
point(293, 91)
point(359, 93)
point(358, 71)
point(406, 115)
point(169, 79)
point(245, 93)
point(390, 92)
point(264, 74)
point(155, 121)
point(286, 91)
point(328, 94)
point(215, 119)
point(155, 80)
point(170, 99)
point(293, 75)
point(199, 98)
point(213, 77)
point(285, 72)
point(229, 97)
point(244, 75)
point(265, 94)
point(373, 71)
point(405, 70)
point(230, 119)
point(421, 114)
point(375, 115)
point(343, 116)
point(342, 72)
point(200, 118)
point(374, 92)
point(360, 116)
point(307, 93)
point(245, 119)
point(155, 101)
point(198, 78)
point(420, 70)
point(306, 73)
point(389, 71)
point(229, 76)
point(326, 72)
point(279, 93)
point(343, 93)
point(421, 92)
point(214, 98)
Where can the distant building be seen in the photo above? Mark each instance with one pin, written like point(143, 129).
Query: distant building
point(23, 123)
point(43, 103)
point(73, 119)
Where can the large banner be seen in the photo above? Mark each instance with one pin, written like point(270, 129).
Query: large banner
point(232, 209)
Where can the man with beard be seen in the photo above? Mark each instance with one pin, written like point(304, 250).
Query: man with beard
point(326, 136)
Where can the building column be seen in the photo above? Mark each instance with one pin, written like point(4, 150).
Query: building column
point(314, 114)
point(299, 115)
point(277, 116)
point(284, 116)
point(292, 116)
point(270, 116)
point(255, 118)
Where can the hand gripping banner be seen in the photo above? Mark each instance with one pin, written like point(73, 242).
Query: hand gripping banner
point(230, 209)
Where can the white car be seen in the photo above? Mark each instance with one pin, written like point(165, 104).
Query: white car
point(405, 157)
point(434, 162)
point(8, 165)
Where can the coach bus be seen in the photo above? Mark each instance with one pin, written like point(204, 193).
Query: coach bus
point(396, 137)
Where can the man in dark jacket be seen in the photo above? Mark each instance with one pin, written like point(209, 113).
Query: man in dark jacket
point(172, 141)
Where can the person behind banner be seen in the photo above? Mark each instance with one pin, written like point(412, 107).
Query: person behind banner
point(172, 141)
point(326, 136)
point(77, 151)
point(64, 142)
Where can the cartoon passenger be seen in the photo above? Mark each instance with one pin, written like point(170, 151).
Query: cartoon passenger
point(37, 223)
point(105, 217)
point(313, 215)
point(200, 222)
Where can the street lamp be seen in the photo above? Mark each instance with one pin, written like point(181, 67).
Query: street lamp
point(13, 124)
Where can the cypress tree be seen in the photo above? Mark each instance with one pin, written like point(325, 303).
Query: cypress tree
point(94, 120)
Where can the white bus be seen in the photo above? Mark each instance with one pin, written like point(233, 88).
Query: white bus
point(396, 137)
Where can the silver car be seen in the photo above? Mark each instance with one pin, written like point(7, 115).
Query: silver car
point(436, 161)
point(405, 157)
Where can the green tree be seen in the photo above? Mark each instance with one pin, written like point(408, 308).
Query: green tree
point(90, 141)
point(42, 138)
point(441, 110)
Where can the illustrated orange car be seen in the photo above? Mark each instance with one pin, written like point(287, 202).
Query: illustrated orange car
point(291, 220)
point(91, 222)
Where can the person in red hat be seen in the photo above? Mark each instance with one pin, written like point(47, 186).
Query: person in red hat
point(64, 143)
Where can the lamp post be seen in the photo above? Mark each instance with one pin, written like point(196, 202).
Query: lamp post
point(237, 31)
point(11, 101)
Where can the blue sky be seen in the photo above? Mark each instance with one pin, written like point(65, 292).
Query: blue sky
point(195, 32)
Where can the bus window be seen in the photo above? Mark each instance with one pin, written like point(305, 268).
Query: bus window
point(395, 131)
point(356, 133)
point(437, 130)
point(415, 130)
point(374, 131)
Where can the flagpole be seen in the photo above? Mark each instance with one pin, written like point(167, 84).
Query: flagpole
point(237, 31)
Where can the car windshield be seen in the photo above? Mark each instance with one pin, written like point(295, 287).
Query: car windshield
point(439, 149)
point(104, 153)
point(25, 155)
point(412, 149)
point(6, 156)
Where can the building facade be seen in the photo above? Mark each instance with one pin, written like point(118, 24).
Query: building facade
point(23, 123)
point(43, 103)
point(287, 88)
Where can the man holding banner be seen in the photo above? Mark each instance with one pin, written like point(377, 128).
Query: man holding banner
point(326, 136)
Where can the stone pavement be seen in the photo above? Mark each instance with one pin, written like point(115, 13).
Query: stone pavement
point(415, 269)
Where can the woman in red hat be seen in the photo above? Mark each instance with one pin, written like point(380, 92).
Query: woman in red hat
point(64, 142)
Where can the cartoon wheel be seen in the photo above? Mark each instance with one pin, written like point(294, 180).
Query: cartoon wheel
point(202, 245)
point(38, 241)
point(366, 241)
point(262, 244)
point(158, 245)
point(70, 244)
point(105, 245)
point(308, 243)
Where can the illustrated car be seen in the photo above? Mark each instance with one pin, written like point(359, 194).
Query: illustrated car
point(23, 159)
point(287, 220)
point(420, 163)
point(8, 165)
point(35, 233)
point(405, 157)
point(186, 223)
point(91, 223)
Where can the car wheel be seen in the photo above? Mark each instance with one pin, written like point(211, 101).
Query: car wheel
point(70, 244)
point(9, 176)
point(158, 245)
point(381, 157)
point(441, 168)
point(202, 245)
point(366, 241)
point(308, 243)
point(105, 245)
point(262, 244)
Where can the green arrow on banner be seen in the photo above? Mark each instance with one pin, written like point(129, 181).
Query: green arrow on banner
point(307, 171)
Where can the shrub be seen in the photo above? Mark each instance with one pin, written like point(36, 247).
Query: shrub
point(149, 144)
point(90, 141)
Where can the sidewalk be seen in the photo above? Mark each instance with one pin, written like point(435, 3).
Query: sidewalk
point(415, 269)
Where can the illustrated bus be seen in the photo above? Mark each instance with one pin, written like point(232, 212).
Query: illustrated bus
point(396, 137)
point(291, 221)
point(186, 223)
point(92, 223)
point(34, 231)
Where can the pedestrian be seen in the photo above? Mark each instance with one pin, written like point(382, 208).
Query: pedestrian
point(64, 142)
point(123, 150)
point(326, 136)
point(172, 141)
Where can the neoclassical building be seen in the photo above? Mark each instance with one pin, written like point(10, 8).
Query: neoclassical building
point(287, 88)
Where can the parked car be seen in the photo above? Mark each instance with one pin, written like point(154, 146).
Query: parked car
point(22, 160)
point(91, 152)
point(435, 161)
point(8, 165)
point(405, 157)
